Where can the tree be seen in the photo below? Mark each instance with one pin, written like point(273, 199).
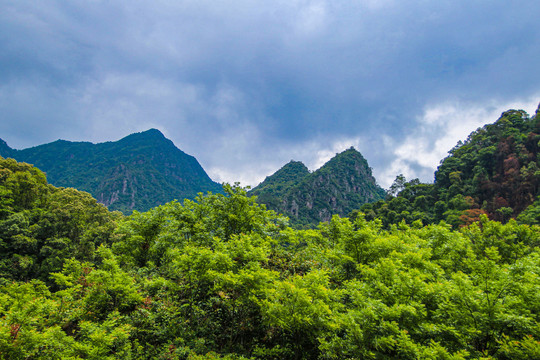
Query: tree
point(397, 185)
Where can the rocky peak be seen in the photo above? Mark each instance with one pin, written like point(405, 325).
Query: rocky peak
point(341, 185)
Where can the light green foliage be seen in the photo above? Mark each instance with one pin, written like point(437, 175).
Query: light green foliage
point(220, 277)
point(525, 349)
point(490, 302)
point(146, 238)
point(25, 327)
point(33, 326)
point(98, 292)
point(299, 309)
point(512, 241)
point(300, 304)
point(531, 215)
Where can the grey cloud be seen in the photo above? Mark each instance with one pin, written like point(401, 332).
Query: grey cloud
point(246, 86)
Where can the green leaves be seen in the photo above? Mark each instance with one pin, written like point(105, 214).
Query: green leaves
point(42, 226)
point(221, 277)
point(33, 324)
point(299, 304)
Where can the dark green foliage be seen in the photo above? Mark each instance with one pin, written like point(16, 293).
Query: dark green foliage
point(343, 184)
point(275, 187)
point(138, 172)
point(5, 150)
point(41, 226)
point(494, 172)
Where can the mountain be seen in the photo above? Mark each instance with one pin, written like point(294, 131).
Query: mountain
point(274, 188)
point(341, 185)
point(138, 172)
point(5, 150)
point(495, 172)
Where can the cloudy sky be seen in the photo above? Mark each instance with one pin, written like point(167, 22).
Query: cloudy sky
point(246, 86)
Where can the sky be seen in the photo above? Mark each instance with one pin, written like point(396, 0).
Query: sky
point(247, 86)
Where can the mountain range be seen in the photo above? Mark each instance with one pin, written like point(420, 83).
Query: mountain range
point(495, 172)
point(138, 172)
point(145, 169)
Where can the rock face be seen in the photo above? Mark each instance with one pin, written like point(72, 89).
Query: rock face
point(138, 172)
point(341, 185)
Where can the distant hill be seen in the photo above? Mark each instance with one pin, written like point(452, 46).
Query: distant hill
point(5, 150)
point(495, 172)
point(341, 185)
point(275, 187)
point(138, 172)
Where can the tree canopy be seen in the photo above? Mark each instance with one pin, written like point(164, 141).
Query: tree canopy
point(221, 277)
point(495, 172)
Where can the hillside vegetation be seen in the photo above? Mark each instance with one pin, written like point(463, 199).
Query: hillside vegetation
point(220, 277)
point(138, 172)
point(495, 172)
point(340, 186)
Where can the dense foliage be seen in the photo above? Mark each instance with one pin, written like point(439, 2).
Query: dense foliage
point(495, 172)
point(341, 185)
point(138, 172)
point(41, 226)
point(220, 277)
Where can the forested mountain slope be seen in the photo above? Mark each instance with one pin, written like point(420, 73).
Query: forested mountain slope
point(138, 172)
point(341, 185)
point(496, 172)
point(274, 188)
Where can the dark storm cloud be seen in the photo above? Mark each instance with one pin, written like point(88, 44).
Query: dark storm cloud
point(245, 86)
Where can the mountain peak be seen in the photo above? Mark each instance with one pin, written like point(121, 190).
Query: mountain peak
point(350, 158)
point(290, 173)
point(341, 185)
point(152, 138)
point(150, 134)
point(297, 165)
point(137, 172)
point(349, 152)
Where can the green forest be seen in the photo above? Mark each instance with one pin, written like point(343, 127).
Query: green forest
point(340, 186)
point(221, 277)
point(137, 172)
point(495, 172)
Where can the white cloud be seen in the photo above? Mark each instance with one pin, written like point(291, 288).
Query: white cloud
point(377, 4)
point(311, 19)
point(116, 104)
point(438, 130)
point(246, 86)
